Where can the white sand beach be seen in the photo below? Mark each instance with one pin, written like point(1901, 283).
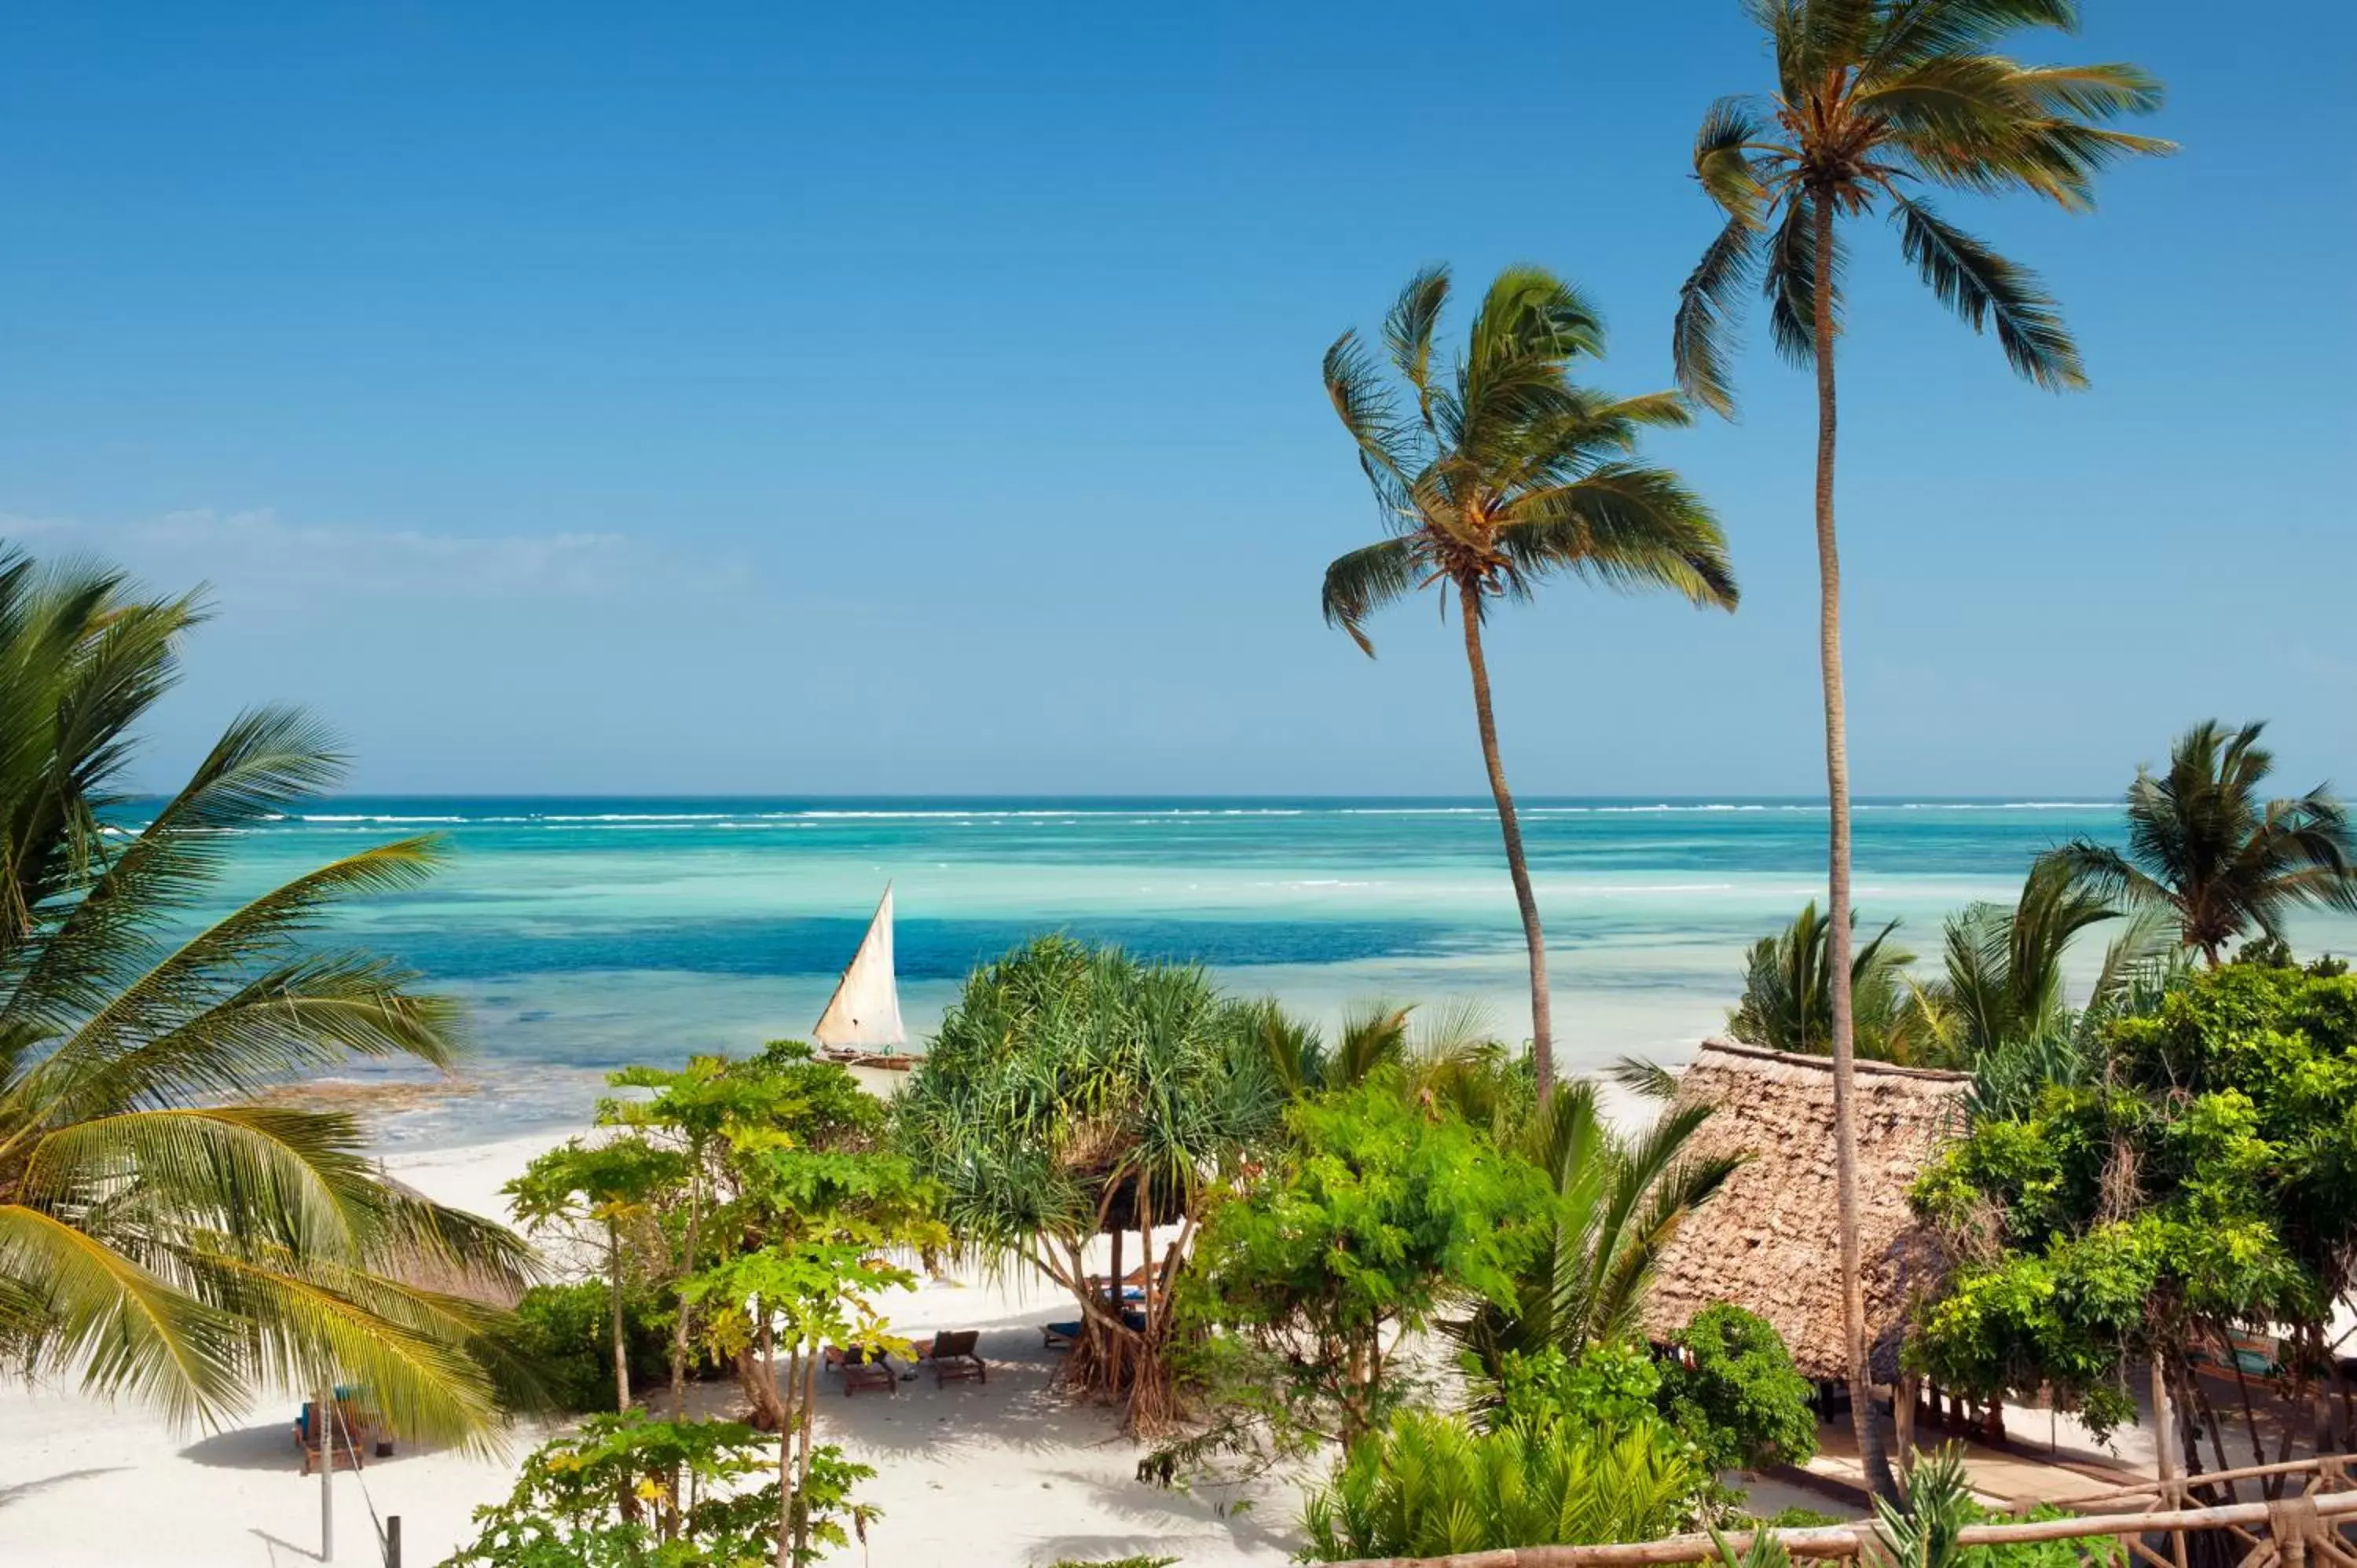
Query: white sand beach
point(1007, 1472)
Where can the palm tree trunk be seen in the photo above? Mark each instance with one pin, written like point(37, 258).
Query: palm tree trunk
point(1542, 1015)
point(1871, 1458)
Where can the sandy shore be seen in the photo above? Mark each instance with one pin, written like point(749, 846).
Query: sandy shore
point(1002, 1473)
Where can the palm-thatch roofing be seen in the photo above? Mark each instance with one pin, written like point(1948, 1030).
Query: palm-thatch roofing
point(1769, 1240)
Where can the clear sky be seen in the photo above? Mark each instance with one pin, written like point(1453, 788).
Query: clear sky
point(771, 398)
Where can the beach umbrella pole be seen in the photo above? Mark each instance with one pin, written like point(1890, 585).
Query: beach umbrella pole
point(326, 1438)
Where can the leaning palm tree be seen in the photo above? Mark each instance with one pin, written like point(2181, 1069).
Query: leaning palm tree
point(2205, 844)
point(1498, 475)
point(1873, 101)
point(164, 1235)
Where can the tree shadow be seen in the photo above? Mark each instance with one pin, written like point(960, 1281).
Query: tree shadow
point(268, 1447)
point(21, 1489)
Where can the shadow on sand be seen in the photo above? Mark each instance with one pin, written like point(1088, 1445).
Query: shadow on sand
point(20, 1489)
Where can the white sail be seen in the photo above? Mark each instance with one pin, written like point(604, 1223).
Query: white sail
point(865, 1012)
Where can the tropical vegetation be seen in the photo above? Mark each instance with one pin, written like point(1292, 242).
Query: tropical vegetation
point(1788, 993)
point(1873, 102)
point(166, 1235)
point(2193, 1185)
point(1436, 1485)
point(1615, 1202)
point(1073, 1093)
point(1493, 474)
point(1384, 1209)
point(631, 1491)
point(2206, 847)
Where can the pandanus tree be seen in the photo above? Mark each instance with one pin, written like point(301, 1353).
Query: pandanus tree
point(2206, 844)
point(165, 1234)
point(1075, 1092)
point(1494, 473)
point(1873, 102)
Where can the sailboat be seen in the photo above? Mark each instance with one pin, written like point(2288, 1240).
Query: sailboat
point(861, 1025)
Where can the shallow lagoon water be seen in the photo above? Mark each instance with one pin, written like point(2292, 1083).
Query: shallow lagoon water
point(588, 933)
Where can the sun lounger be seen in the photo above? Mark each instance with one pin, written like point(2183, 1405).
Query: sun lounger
point(954, 1358)
point(349, 1435)
point(862, 1370)
point(1059, 1336)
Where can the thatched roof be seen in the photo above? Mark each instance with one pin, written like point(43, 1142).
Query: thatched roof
point(1768, 1240)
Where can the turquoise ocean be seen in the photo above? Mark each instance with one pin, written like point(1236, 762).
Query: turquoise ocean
point(585, 934)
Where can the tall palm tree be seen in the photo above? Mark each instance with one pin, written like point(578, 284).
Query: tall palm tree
point(2206, 846)
point(1873, 101)
point(1500, 475)
point(163, 1234)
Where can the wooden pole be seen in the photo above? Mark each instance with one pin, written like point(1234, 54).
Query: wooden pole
point(2164, 1440)
point(322, 1432)
point(1851, 1540)
point(393, 1541)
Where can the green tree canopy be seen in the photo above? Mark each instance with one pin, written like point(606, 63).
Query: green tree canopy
point(2203, 1183)
point(1383, 1211)
point(1788, 994)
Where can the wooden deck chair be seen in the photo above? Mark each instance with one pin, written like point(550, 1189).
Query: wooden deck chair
point(863, 1370)
point(954, 1358)
point(343, 1447)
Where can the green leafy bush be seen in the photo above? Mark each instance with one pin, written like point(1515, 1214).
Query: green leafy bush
point(1427, 1485)
point(567, 1509)
point(562, 1334)
point(1604, 1385)
point(1735, 1394)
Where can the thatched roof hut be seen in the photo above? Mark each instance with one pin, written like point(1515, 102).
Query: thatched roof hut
point(1769, 1240)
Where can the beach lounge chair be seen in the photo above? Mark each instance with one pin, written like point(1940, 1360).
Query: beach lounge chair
point(953, 1356)
point(863, 1370)
point(1059, 1336)
point(350, 1434)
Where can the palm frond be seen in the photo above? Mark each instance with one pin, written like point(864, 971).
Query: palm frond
point(1982, 286)
point(1788, 282)
point(1648, 1078)
point(1364, 581)
point(1710, 310)
point(1408, 330)
point(1627, 527)
point(124, 1329)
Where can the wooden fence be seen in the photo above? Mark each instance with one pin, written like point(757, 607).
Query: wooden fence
point(2302, 1531)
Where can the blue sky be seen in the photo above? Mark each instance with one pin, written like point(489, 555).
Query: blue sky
point(924, 399)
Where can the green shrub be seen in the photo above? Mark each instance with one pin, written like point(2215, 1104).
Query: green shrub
point(1427, 1486)
point(685, 1509)
point(564, 1336)
point(1735, 1393)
